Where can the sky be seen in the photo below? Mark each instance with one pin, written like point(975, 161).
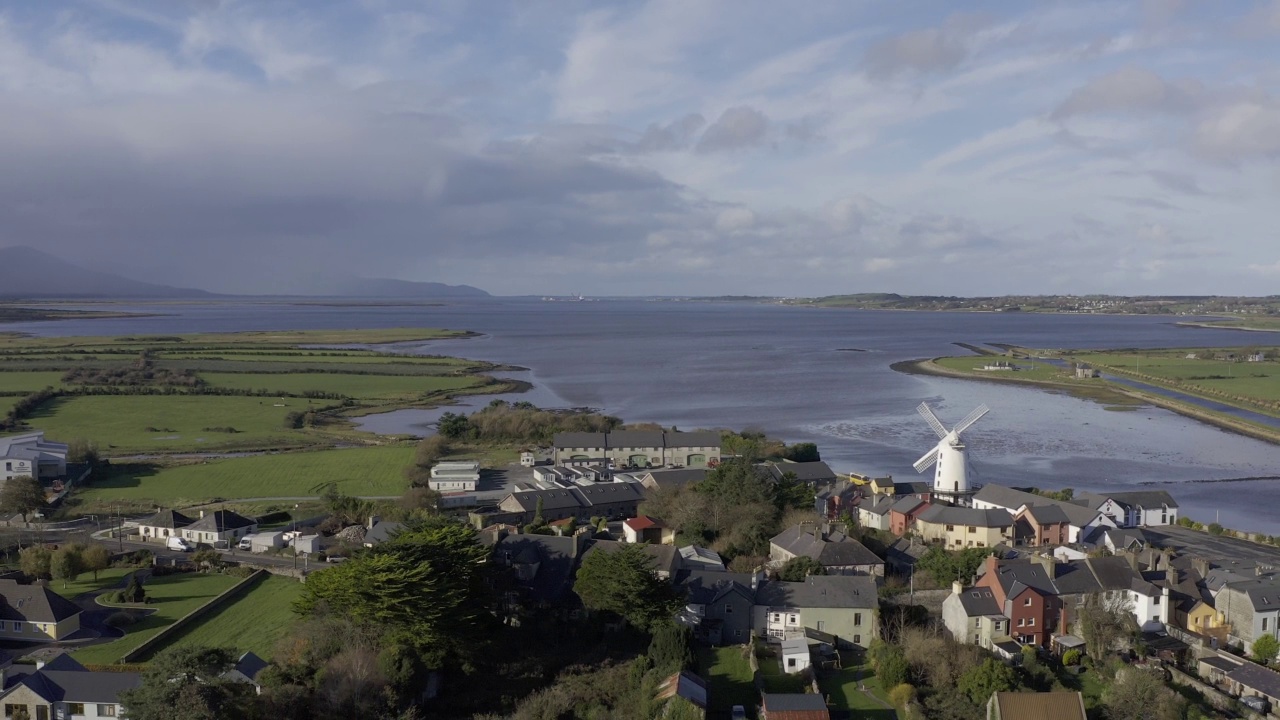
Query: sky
point(667, 147)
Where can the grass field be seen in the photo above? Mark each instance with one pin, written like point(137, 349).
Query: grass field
point(175, 596)
point(29, 381)
point(1255, 380)
point(108, 578)
point(244, 339)
point(373, 387)
point(729, 679)
point(118, 423)
point(842, 687)
point(357, 471)
point(253, 623)
point(1027, 369)
point(365, 358)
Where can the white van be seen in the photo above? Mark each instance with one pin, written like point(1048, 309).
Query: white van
point(246, 543)
point(179, 544)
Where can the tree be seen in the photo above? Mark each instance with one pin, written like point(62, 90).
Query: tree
point(22, 495)
point(669, 650)
point(1265, 648)
point(80, 450)
point(892, 669)
point(66, 564)
point(453, 425)
point(1215, 529)
point(1140, 694)
point(36, 562)
point(798, 568)
point(134, 592)
point(1104, 622)
point(537, 513)
point(95, 559)
point(623, 582)
point(989, 677)
point(207, 559)
point(802, 452)
point(946, 566)
point(187, 681)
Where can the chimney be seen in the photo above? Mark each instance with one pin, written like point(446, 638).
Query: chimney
point(580, 542)
point(1132, 557)
point(1170, 576)
point(1200, 565)
point(957, 587)
point(201, 514)
point(757, 576)
point(992, 564)
point(1048, 563)
point(373, 520)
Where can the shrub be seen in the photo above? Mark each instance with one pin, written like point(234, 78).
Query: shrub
point(902, 694)
point(1071, 657)
point(892, 669)
point(120, 619)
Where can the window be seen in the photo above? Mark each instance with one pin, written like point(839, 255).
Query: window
point(973, 529)
point(75, 708)
point(777, 617)
point(106, 711)
point(857, 619)
point(951, 528)
point(737, 633)
point(728, 609)
point(977, 622)
point(791, 619)
point(1031, 622)
point(1027, 602)
point(857, 639)
point(11, 710)
point(1022, 622)
point(791, 662)
point(17, 626)
point(1264, 624)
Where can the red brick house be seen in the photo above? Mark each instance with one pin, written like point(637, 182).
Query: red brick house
point(1042, 525)
point(1026, 595)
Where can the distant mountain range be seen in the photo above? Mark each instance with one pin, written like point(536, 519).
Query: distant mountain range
point(29, 273)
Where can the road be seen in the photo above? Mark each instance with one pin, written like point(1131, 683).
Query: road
point(167, 556)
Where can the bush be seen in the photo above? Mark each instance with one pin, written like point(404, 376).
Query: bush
point(892, 669)
point(239, 571)
point(902, 694)
point(120, 619)
point(1215, 529)
point(1071, 657)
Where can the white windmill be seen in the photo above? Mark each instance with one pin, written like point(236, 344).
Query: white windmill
point(950, 476)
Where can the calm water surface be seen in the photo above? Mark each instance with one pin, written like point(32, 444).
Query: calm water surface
point(814, 375)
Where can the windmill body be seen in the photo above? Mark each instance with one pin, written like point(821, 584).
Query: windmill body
point(948, 458)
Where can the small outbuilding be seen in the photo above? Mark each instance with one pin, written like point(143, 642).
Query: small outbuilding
point(795, 655)
point(265, 541)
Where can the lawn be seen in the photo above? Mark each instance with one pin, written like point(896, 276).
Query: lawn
point(1258, 380)
point(729, 679)
point(29, 381)
point(377, 387)
point(123, 424)
point(1027, 369)
point(175, 596)
point(356, 471)
point(441, 364)
point(775, 680)
point(109, 578)
point(254, 622)
point(842, 688)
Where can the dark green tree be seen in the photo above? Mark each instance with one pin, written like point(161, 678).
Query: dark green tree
point(947, 566)
point(453, 425)
point(989, 677)
point(670, 650)
point(1265, 648)
point(892, 668)
point(187, 682)
point(802, 452)
point(623, 582)
point(67, 564)
point(96, 559)
point(799, 568)
point(21, 495)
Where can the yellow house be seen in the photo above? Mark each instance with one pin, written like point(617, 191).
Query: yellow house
point(1203, 617)
point(957, 528)
point(34, 613)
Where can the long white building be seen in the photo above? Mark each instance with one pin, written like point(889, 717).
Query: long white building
point(31, 455)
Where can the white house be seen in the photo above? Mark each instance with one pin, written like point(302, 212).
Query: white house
point(31, 455)
point(1081, 519)
point(1141, 508)
point(455, 476)
point(219, 526)
point(265, 541)
point(63, 688)
point(874, 512)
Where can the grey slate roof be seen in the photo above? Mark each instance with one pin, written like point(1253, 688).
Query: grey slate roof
point(221, 521)
point(1007, 497)
point(663, 556)
point(880, 506)
point(1148, 499)
point(579, 440)
point(576, 497)
point(554, 557)
point(168, 519)
point(1263, 594)
point(948, 515)
point(33, 603)
point(250, 665)
point(1024, 573)
point(705, 587)
point(1075, 578)
point(979, 601)
point(382, 531)
point(677, 477)
point(1047, 514)
point(637, 439)
point(1113, 573)
point(837, 551)
point(820, 591)
point(906, 504)
point(78, 685)
point(695, 556)
point(913, 487)
point(1257, 677)
point(816, 471)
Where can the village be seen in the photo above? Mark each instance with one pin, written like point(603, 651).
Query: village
point(1020, 575)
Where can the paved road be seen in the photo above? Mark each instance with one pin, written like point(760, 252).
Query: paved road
point(1221, 550)
point(166, 555)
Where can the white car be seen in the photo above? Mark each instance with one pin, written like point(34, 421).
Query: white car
point(179, 544)
point(244, 544)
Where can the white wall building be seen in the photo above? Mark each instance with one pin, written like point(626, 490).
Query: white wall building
point(31, 455)
point(454, 476)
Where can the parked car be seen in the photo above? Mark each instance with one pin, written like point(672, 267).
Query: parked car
point(336, 558)
point(244, 544)
point(1257, 704)
point(179, 544)
point(739, 713)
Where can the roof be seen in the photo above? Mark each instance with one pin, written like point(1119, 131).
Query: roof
point(1014, 499)
point(804, 471)
point(1263, 594)
point(912, 487)
point(33, 603)
point(167, 519)
point(1047, 514)
point(686, 685)
point(1220, 663)
point(642, 522)
point(1114, 573)
point(677, 476)
point(879, 507)
point(637, 439)
point(1064, 705)
point(382, 531)
point(221, 521)
point(836, 551)
point(249, 665)
point(798, 644)
point(704, 587)
point(979, 601)
point(664, 556)
point(1257, 678)
point(1017, 574)
point(697, 555)
point(907, 504)
point(63, 661)
point(948, 515)
point(579, 440)
point(795, 706)
point(554, 559)
point(29, 446)
point(820, 591)
point(78, 685)
point(1143, 498)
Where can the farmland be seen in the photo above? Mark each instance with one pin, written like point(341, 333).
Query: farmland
point(254, 622)
point(364, 387)
point(1208, 373)
point(371, 471)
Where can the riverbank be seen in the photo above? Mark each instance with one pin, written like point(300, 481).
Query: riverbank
point(1099, 391)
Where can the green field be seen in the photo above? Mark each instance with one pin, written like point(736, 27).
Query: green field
point(365, 387)
point(1027, 369)
point(175, 596)
point(842, 687)
point(118, 423)
point(1204, 374)
point(371, 358)
point(374, 471)
point(729, 679)
point(253, 623)
point(109, 578)
point(29, 381)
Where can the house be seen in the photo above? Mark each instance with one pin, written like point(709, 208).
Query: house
point(247, 669)
point(677, 477)
point(902, 555)
point(163, 524)
point(694, 557)
point(543, 565)
point(844, 608)
point(528, 458)
point(1041, 525)
point(640, 448)
point(1082, 520)
point(454, 476)
point(718, 605)
point(219, 526)
point(795, 654)
point(812, 473)
point(34, 613)
point(610, 500)
point(645, 529)
point(903, 514)
point(793, 706)
point(835, 552)
point(1059, 705)
point(887, 487)
point(973, 616)
point(30, 455)
point(960, 527)
point(686, 685)
point(380, 531)
point(1251, 608)
point(873, 512)
point(63, 688)
point(1143, 508)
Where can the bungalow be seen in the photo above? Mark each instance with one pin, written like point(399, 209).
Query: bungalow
point(454, 476)
point(718, 605)
point(30, 455)
point(959, 527)
point(903, 514)
point(219, 526)
point(793, 706)
point(34, 613)
point(844, 608)
point(640, 448)
point(873, 512)
point(832, 549)
point(247, 669)
point(63, 688)
point(164, 524)
point(645, 529)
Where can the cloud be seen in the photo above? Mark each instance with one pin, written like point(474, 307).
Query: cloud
point(738, 128)
point(1129, 90)
point(676, 135)
point(735, 219)
point(1241, 131)
point(880, 264)
point(1267, 270)
point(926, 50)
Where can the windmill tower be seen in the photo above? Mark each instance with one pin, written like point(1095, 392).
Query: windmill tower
point(951, 471)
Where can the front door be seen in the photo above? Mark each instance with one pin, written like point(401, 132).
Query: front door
point(42, 712)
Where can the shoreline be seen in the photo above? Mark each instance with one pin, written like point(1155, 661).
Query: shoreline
point(927, 366)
